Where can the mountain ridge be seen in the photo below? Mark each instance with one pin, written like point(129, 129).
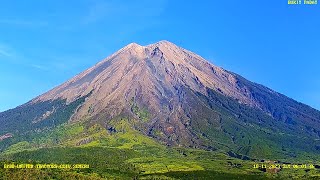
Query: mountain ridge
point(178, 98)
point(133, 48)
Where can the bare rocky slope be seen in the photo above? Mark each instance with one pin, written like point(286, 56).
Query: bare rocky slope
point(154, 72)
point(178, 98)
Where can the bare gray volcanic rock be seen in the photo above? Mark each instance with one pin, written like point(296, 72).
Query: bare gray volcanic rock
point(152, 76)
point(154, 71)
point(178, 98)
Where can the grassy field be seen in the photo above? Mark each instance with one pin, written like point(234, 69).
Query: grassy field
point(124, 153)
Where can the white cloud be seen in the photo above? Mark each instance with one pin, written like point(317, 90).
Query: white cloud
point(40, 67)
point(6, 51)
point(19, 22)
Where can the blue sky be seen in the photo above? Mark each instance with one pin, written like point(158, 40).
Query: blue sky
point(44, 43)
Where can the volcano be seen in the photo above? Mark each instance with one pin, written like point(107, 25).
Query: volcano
point(178, 99)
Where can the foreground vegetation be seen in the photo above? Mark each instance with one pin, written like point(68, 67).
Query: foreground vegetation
point(121, 152)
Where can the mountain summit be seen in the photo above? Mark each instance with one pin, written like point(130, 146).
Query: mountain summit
point(162, 62)
point(178, 98)
point(154, 78)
